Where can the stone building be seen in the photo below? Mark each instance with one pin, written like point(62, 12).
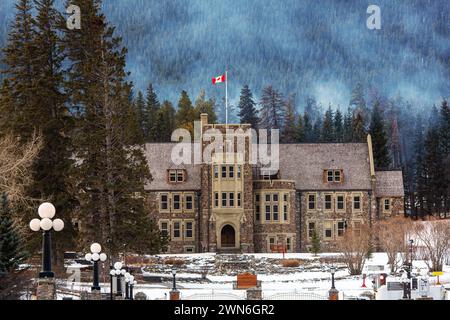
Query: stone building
point(236, 206)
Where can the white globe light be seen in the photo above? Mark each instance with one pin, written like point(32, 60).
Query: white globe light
point(127, 279)
point(127, 274)
point(96, 248)
point(46, 210)
point(112, 272)
point(134, 282)
point(118, 265)
point(131, 278)
point(123, 271)
point(46, 224)
point(103, 257)
point(58, 225)
point(35, 224)
point(118, 272)
point(95, 256)
point(88, 257)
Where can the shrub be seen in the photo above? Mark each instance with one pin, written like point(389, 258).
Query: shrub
point(175, 262)
point(290, 263)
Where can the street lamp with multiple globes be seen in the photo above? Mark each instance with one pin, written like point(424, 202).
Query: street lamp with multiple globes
point(119, 273)
point(129, 283)
point(46, 211)
point(174, 273)
point(95, 256)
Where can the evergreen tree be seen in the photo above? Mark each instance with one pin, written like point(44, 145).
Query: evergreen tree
point(11, 249)
point(395, 144)
point(315, 243)
point(205, 106)
point(165, 122)
point(444, 127)
point(247, 108)
point(419, 177)
point(317, 130)
point(338, 127)
point(272, 109)
point(139, 106)
point(309, 134)
point(289, 131)
point(348, 126)
point(186, 114)
point(379, 139)
point(312, 109)
point(300, 137)
point(111, 170)
point(357, 101)
point(150, 114)
point(328, 127)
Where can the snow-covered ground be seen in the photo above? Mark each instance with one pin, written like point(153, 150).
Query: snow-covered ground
point(311, 277)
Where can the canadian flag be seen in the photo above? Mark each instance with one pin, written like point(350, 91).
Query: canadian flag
point(219, 79)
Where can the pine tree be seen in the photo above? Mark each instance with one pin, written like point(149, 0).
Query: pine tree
point(315, 243)
point(272, 109)
point(328, 127)
point(247, 108)
point(357, 101)
point(444, 127)
point(165, 122)
point(317, 130)
point(309, 134)
point(348, 126)
point(338, 127)
point(300, 137)
point(359, 133)
point(205, 106)
point(11, 249)
point(419, 178)
point(139, 105)
point(395, 144)
point(185, 114)
point(379, 139)
point(151, 109)
point(289, 131)
point(111, 170)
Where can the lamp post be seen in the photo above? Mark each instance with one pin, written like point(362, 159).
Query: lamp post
point(174, 274)
point(411, 241)
point(129, 283)
point(46, 211)
point(119, 273)
point(112, 274)
point(333, 294)
point(174, 293)
point(95, 256)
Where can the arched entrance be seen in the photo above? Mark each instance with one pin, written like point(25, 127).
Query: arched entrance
point(228, 237)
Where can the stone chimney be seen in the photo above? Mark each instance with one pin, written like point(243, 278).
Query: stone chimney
point(204, 119)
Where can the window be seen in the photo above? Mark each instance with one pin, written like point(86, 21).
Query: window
point(231, 199)
point(286, 197)
point(275, 212)
point(239, 200)
point(176, 202)
point(267, 213)
point(311, 202)
point(267, 197)
point(311, 228)
point(328, 202)
point(271, 242)
point(257, 213)
point(257, 197)
point(357, 228)
point(224, 171)
point(357, 202)
point(164, 229)
point(387, 204)
point(164, 205)
point(275, 197)
point(285, 212)
point(188, 249)
point(328, 229)
point(333, 176)
point(224, 199)
point(189, 229)
point(176, 230)
point(239, 168)
point(176, 176)
point(231, 172)
point(340, 228)
point(216, 172)
point(340, 202)
point(288, 244)
point(189, 202)
point(216, 199)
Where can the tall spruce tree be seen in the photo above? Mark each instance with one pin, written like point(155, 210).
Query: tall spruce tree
point(151, 109)
point(300, 136)
point(289, 131)
point(309, 134)
point(317, 130)
point(139, 106)
point(328, 126)
point(185, 116)
point(11, 247)
point(272, 109)
point(111, 170)
point(359, 132)
point(247, 108)
point(348, 126)
point(165, 122)
point(338, 127)
point(379, 139)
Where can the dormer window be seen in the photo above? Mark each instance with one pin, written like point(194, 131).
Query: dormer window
point(176, 176)
point(333, 176)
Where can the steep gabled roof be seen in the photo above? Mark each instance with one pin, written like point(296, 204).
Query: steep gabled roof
point(389, 183)
point(304, 163)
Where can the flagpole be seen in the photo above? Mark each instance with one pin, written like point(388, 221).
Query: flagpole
point(226, 98)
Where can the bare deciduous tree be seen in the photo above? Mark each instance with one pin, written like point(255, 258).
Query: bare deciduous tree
point(16, 160)
point(392, 235)
point(433, 238)
point(355, 246)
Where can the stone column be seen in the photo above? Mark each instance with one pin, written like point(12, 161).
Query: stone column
point(46, 289)
point(95, 295)
point(174, 295)
point(333, 294)
point(254, 294)
point(140, 296)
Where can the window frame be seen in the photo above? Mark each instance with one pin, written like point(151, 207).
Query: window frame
point(311, 230)
point(386, 201)
point(343, 202)
point(186, 196)
point(180, 230)
point(359, 203)
point(180, 205)
point(329, 223)
point(192, 229)
point(325, 202)
point(224, 200)
point(309, 201)
point(167, 222)
point(161, 209)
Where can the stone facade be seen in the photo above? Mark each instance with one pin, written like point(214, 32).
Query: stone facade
point(230, 207)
